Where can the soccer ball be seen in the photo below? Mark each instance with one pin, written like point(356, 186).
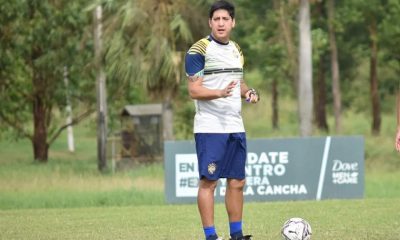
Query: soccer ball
point(296, 229)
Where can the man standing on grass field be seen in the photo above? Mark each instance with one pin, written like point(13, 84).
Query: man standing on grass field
point(214, 66)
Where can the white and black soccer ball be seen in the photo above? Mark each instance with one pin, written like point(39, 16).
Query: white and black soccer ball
point(296, 229)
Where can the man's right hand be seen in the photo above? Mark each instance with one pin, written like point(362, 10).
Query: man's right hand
point(227, 91)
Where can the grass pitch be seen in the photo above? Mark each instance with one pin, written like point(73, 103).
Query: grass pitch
point(335, 220)
point(67, 198)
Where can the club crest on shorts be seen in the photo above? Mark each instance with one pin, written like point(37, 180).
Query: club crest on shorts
point(211, 168)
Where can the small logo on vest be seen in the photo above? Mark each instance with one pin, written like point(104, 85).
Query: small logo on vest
point(211, 168)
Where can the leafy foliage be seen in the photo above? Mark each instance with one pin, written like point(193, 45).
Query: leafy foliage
point(145, 42)
point(39, 38)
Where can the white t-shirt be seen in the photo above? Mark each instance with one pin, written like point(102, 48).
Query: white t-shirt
point(218, 64)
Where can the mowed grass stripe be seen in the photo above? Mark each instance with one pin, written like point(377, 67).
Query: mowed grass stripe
point(330, 219)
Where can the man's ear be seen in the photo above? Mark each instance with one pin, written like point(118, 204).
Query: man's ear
point(233, 23)
point(209, 22)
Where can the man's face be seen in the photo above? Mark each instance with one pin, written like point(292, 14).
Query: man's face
point(221, 25)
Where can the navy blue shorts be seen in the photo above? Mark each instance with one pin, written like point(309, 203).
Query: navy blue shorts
point(221, 155)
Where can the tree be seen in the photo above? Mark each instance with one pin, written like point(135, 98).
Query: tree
point(365, 22)
point(391, 30)
point(287, 36)
point(320, 53)
point(265, 48)
point(337, 99)
point(147, 41)
point(37, 39)
point(101, 89)
point(375, 99)
point(374, 12)
point(305, 92)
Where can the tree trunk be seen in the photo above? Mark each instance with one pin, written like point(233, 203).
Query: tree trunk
point(275, 107)
point(39, 142)
point(40, 113)
point(168, 119)
point(305, 93)
point(320, 99)
point(168, 94)
point(40, 107)
point(70, 131)
point(101, 127)
point(376, 111)
point(101, 92)
point(337, 105)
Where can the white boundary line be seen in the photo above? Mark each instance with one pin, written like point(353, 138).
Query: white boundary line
point(323, 167)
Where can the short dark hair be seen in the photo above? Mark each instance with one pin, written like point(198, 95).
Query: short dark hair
point(222, 4)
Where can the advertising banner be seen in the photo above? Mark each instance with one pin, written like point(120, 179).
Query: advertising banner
point(277, 169)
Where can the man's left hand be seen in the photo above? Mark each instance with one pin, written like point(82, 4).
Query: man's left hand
point(252, 96)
